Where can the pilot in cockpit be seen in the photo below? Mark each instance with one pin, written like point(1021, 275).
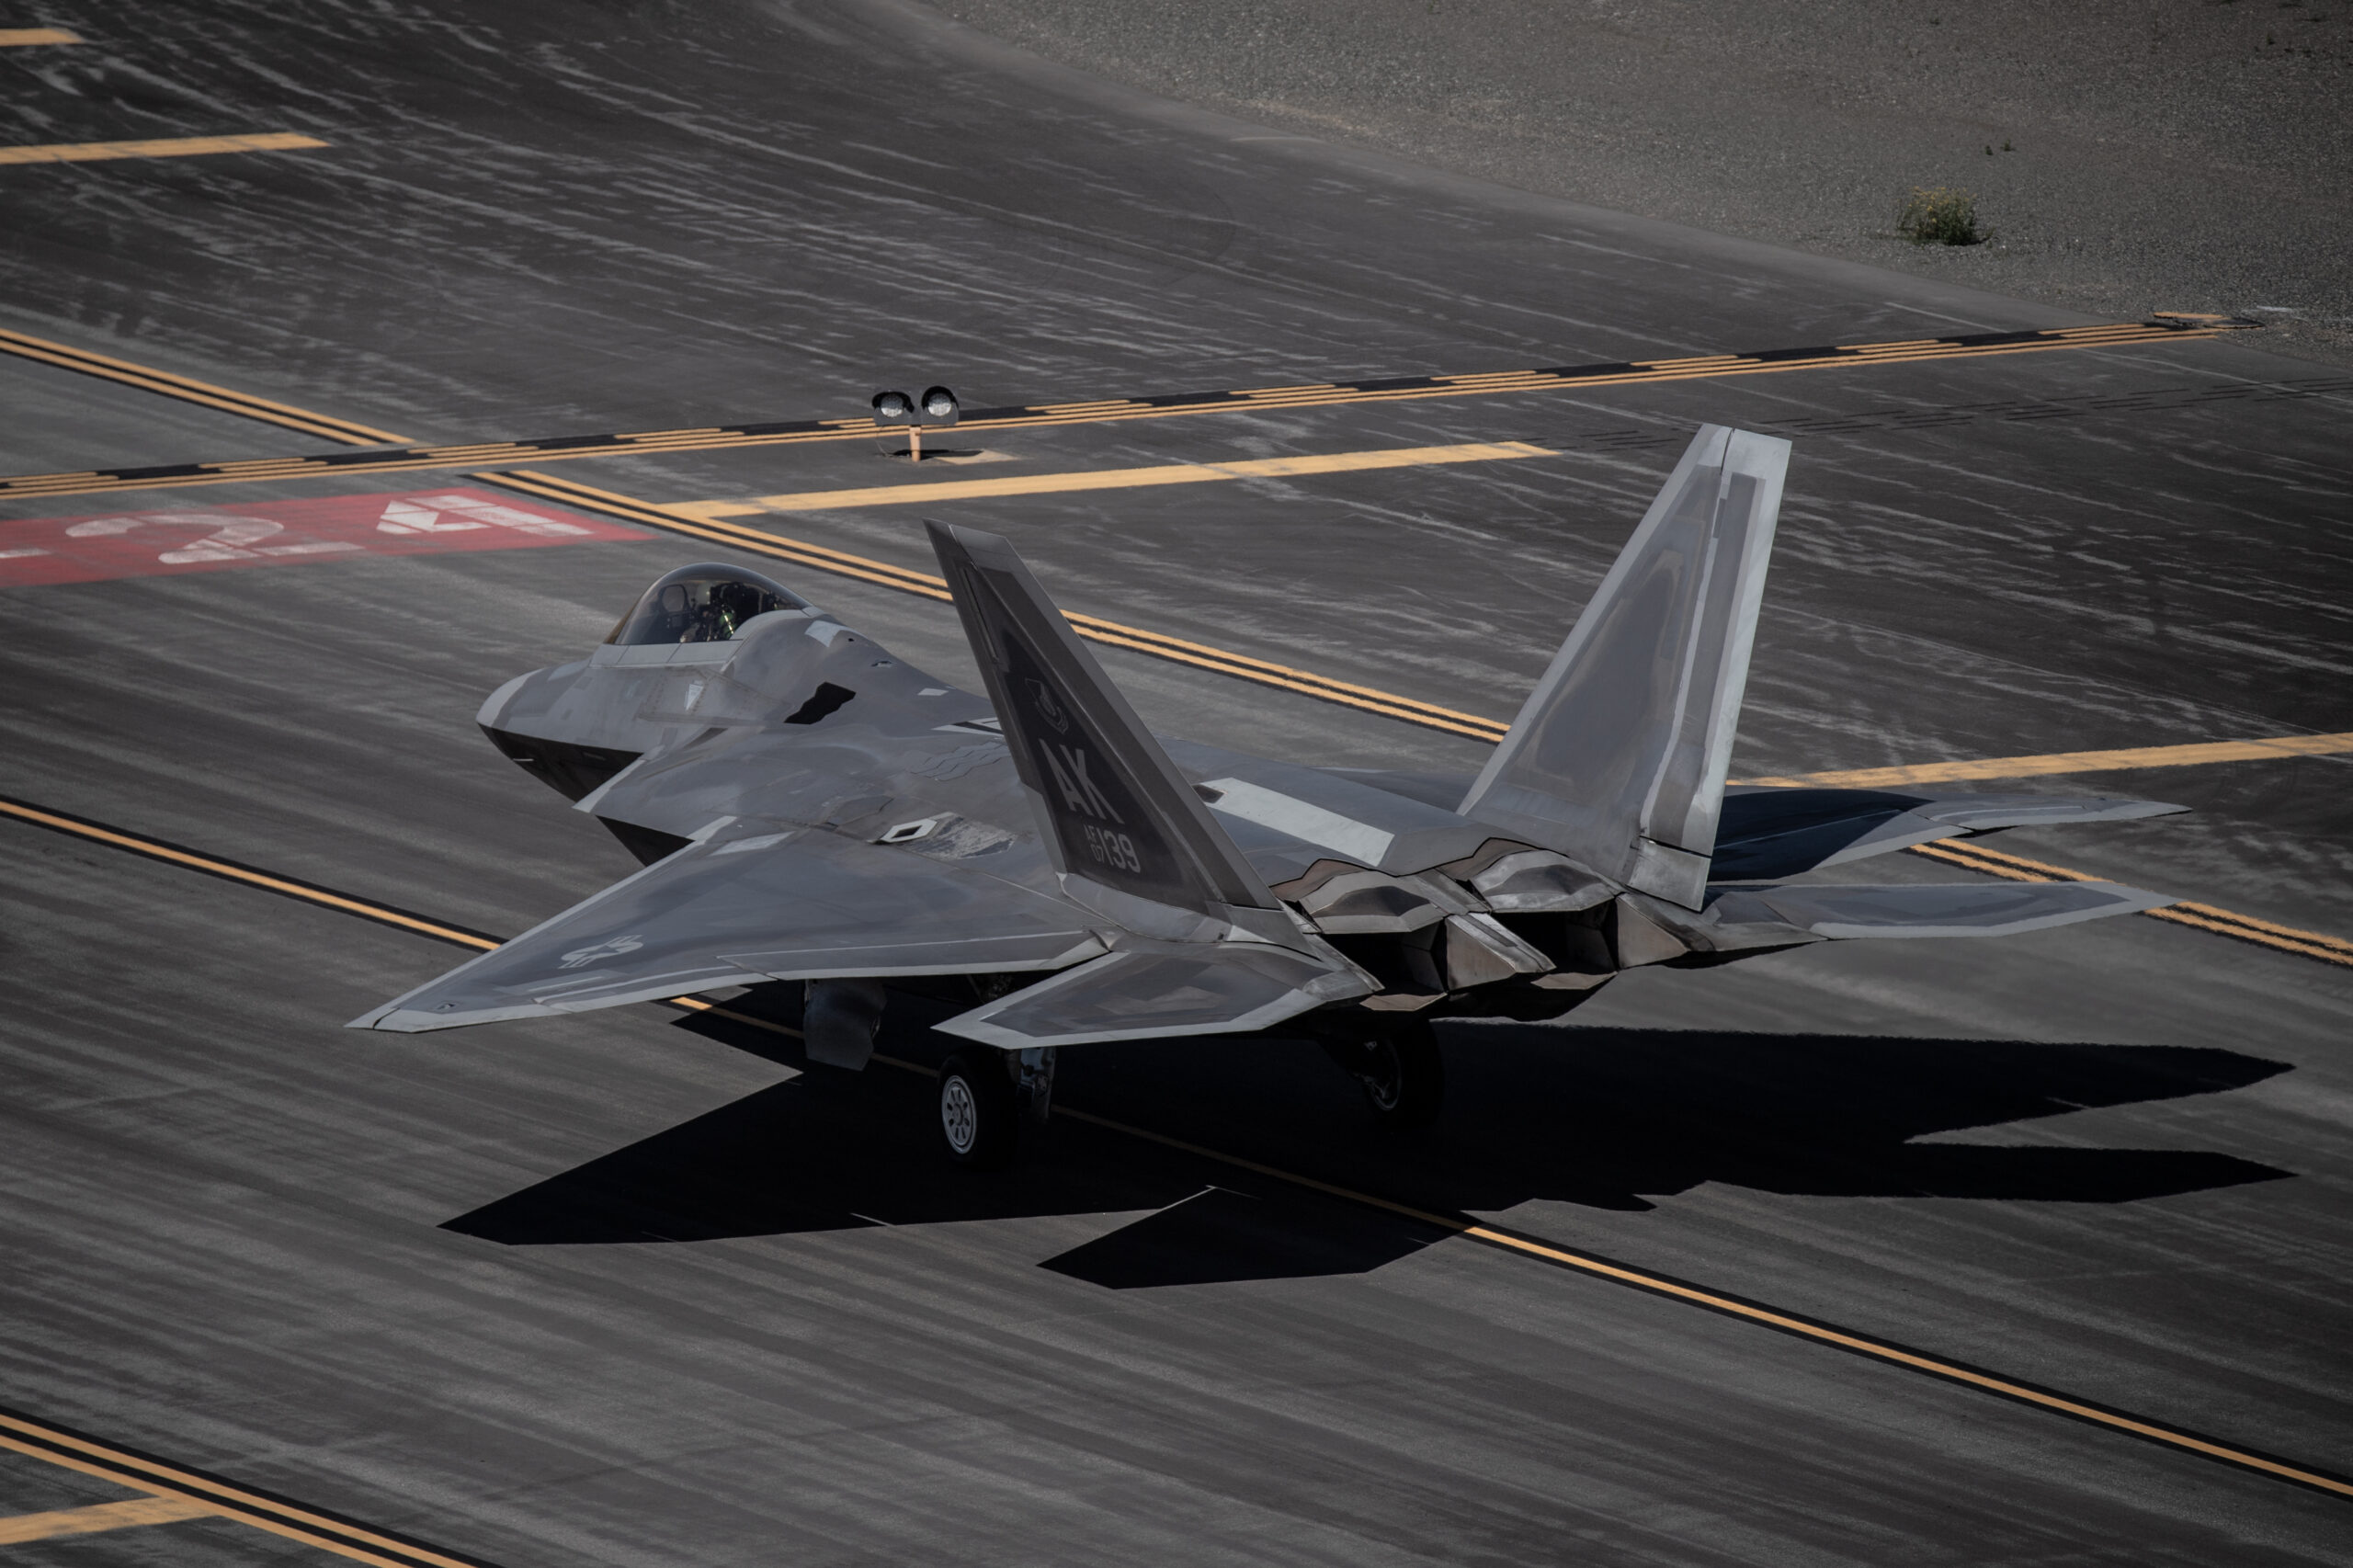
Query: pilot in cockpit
point(725, 608)
point(702, 603)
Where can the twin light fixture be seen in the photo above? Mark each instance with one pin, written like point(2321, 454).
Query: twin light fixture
point(937, 407)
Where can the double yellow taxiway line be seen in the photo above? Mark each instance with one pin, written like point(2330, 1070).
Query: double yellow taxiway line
point(708, 521)
point(179, 1492)
point(187, 389)
point(41, 1441)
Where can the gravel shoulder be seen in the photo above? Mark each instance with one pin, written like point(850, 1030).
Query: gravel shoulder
point(2127, 156)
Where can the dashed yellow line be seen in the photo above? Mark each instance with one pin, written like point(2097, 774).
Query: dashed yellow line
point(2166, 326)
point(1113, 479)
point(2190, 756)
point(165, 147)
point(20, 37)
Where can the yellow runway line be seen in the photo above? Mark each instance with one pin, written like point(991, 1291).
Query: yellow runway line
point(2072, 762)
point(20, 38)
point(157, 849)
point(102, 1517)
point(146, 378)
point(127, 1467)
point(1113, 479)
point(167, 147)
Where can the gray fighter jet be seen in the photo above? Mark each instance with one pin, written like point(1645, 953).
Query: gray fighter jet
point(811, 809)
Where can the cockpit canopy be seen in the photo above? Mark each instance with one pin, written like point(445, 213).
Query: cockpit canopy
point(709, 602)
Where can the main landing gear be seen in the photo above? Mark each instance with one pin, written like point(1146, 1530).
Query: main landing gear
point(984, 1097)
point(1399, 1067)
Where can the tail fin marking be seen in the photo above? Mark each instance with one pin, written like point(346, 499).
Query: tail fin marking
point(1115, 810)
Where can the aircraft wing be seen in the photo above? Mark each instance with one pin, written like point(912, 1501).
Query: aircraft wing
point(800, 904)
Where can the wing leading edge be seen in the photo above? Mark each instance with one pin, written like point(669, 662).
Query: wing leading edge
point(799, 905)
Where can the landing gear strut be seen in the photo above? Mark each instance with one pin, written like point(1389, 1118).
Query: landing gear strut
point(1399, 1066)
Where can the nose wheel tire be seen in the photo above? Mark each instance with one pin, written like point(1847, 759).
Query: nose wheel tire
point(1402, 1072)
point(978, 1119)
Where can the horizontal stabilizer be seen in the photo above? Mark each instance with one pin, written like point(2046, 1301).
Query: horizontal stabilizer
point(1226, 988)
point(800, 906)
point(1773, 831)
point(1959, 909)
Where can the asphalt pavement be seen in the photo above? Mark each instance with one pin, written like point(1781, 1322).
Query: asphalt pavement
point(630, 1288)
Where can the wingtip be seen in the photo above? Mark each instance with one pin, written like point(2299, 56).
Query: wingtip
point(2142, 900)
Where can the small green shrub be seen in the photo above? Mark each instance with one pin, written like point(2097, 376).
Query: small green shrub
point(1937, 215)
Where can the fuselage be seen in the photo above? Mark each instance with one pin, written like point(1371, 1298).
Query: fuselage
point(792, 720)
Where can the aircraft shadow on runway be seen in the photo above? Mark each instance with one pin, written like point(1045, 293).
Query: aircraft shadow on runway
point(1606, 1118)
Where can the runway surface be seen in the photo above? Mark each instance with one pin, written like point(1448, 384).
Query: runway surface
point(633, 1288)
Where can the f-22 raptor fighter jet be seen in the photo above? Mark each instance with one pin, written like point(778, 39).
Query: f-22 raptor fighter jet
point(811, 808)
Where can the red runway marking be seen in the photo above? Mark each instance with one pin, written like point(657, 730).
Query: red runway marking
point(36, 550)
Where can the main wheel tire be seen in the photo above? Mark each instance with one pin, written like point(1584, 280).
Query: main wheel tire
point(1404, 1075)
point(978, 1119)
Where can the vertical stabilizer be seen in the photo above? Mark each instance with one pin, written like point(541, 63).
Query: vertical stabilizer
point(1618, 758)
point(1115, 811)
